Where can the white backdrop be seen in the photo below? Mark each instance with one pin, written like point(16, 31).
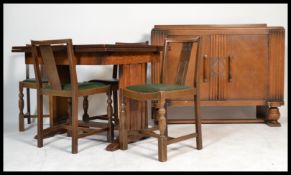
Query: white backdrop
point(105, 23)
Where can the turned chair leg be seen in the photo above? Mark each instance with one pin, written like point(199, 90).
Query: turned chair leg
point(162, 140)
point(123, 132)
point(154, 112)
point(39, 120)
point(74, 125)
point(20, 106)
point(115, 106)
point(85, 107)
point(110, 132)
point(166, 109)
point(28, 105)
point(198, 123)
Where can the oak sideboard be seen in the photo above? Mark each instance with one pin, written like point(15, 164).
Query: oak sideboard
point(242, 65)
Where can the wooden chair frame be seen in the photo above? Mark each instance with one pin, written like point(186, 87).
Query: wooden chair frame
point(161, 98)
point(43, 53)
point(28, 85)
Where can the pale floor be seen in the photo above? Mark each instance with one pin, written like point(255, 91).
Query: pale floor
point(227, 147)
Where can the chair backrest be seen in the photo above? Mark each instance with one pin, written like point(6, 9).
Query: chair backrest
point(43, 52)
point(115, 67)
point(42, 70)
point(181, 60)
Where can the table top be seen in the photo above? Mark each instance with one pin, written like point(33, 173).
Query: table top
point(99, 48)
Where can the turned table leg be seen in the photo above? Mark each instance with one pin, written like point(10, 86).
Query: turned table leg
point(21, 106)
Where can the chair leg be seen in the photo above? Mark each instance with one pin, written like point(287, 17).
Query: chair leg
point(115, 106)
point(85, 107)
point(154, 112)
point(162, 140)
point(51, 111)
point(75, 125)
point(110, 132)
point(123, 133)
point(166, 117)
point(69, 113)
point(28, 105)
point(198, 123)
point(39, 120)
point(20, 106)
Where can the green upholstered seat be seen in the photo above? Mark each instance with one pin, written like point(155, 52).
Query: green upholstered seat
point(156, 87)
point(106, 81)
point(81, 86)
point(84, 85)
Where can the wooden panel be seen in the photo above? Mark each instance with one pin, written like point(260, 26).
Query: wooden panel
point(48, 58)
point(219, 103)
point(248, 67)
point(216, 121)
point(206, 67)
point(176, 72)
point(137, 110)
point(171, 63)
point(217, 67)
point(222, 31)
point(102, 58)
point(276, 64)
point(184, 63)
point(213, 112)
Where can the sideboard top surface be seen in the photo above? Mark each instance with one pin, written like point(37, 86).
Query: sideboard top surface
point(215, 26)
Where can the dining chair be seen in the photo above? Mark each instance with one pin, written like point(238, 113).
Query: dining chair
point(28, 83)
point(48, 52)
point(164, 92)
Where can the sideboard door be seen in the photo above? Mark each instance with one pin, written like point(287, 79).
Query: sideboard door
point(246, 67)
